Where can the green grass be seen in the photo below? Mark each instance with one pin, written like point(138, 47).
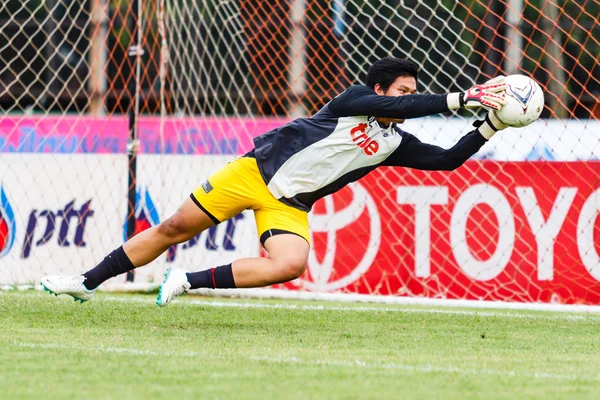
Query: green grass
point(123, 346)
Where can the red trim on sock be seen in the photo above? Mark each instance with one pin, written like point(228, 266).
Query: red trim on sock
point(212, 271)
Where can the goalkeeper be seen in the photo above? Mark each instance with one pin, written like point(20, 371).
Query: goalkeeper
point(289, 169)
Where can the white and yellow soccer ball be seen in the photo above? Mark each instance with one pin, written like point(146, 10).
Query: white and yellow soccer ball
point(524, 101)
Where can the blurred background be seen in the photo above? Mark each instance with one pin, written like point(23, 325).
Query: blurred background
point(281, 57)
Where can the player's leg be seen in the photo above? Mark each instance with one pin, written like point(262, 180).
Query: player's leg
point(286, 260)
point(287, 257)
point(188, 221)
point(283, 232)
point(206, 206)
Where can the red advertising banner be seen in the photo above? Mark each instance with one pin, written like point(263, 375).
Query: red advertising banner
point(527, 232)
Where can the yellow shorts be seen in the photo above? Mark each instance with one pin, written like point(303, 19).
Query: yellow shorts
point(238, 186)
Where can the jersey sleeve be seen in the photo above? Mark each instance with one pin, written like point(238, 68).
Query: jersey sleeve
point(361, 100)
point(413, 153)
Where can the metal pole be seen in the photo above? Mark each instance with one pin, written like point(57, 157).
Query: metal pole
point(164, 55)
point(492, 34)
point(554, 63)
point(297, 78)
point(98, 55)
point(135, 23)
point(52, 91)
point(514, 45)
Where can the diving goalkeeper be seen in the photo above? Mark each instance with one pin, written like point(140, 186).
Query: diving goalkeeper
point(289, 169)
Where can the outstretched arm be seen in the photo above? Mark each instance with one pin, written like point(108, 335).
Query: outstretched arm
point(361, 100)
point(413, 153)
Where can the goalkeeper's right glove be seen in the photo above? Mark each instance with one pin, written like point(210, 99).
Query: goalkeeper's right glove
point(489, 95)
point(490, 125)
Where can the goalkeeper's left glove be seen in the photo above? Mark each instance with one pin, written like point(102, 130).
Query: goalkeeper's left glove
point(489, 95)
point(490, 125)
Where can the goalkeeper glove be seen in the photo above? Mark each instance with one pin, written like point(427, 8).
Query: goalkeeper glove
point(489, 95)
point(490, 125)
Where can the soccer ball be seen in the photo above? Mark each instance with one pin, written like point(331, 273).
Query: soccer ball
point(524, 101)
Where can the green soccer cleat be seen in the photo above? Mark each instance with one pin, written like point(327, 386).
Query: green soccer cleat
point(175, 284)
point(71, 285)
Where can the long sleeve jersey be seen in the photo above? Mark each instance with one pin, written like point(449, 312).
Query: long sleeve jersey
point(309, 158)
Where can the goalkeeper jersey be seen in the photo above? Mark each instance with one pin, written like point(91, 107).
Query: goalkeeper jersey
point(309, 158)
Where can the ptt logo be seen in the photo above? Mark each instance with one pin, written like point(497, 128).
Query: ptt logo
point(42, 226)
point(359, 136)
point(146, 216)
point(8, 228)
point(46, 222)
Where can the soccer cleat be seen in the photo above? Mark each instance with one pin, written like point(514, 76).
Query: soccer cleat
point(175, 284)
point(71, 285)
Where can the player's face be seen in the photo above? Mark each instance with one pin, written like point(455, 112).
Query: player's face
point(401, 86)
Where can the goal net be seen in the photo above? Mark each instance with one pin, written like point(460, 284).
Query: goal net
point(113, 111)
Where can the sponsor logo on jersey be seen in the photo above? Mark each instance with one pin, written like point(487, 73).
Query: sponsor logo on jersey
point(362, 140)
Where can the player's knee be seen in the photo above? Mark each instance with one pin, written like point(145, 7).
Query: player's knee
point(292, 267)
point(173, 228)
point(289, 254)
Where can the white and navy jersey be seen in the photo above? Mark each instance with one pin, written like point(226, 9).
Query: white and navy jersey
point(309, 158)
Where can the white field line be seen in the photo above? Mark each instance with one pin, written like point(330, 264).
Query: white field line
point(279, 294)
point(187, 301)
point(410, 368)
point(315, 307)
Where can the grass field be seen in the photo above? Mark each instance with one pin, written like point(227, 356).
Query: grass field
point(123, 346)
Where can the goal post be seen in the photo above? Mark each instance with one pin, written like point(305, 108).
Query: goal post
point(517, 223)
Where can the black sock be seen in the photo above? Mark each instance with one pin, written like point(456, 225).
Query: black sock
point(214, 278)
point(113, 264)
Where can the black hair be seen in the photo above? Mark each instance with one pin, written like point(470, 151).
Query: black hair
point(388, 69)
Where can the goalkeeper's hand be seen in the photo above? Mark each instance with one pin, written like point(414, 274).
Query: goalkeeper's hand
point(489, 95)
point(490, 125)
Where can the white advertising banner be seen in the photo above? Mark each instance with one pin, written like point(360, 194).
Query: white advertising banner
point(63, 214)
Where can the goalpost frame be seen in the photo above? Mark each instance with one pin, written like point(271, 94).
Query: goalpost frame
point(135, 52)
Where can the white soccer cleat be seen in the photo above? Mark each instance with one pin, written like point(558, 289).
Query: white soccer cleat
point(71, 285)
point(175, 284)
